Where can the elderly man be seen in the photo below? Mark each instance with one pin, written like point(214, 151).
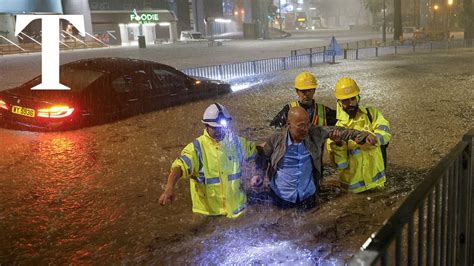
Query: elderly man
point(294, 155)
point(213, 162)
point(319, 114)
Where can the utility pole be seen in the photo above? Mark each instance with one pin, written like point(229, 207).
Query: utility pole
point(384, 25)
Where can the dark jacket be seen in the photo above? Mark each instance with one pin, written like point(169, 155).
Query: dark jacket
point(275, 147)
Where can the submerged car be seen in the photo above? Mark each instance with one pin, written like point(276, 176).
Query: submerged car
point(195, 36)
point(102, 90)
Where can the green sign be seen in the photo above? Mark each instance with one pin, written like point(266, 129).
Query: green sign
point(144, 17)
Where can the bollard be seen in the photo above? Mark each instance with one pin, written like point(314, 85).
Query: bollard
point(376, 51)
point(345, 53)
point(141, 41)
point(395, 49)
point(324, 54)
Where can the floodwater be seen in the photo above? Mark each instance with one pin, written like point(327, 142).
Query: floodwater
point(91, 195)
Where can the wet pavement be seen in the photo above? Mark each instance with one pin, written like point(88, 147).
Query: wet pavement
point(90, 196)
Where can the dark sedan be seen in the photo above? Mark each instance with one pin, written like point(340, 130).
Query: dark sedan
point(102, 90)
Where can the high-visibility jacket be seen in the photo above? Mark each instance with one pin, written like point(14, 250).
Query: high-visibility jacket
point(215, 171)
point(361, 167)
point(319, 114)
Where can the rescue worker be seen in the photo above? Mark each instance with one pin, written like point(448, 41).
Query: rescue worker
point(319, 114)
point(361, 167)
point(213, 164)
point(294, 156)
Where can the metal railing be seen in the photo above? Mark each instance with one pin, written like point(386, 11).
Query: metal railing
point(435, 223)
point(35, 46)
point(12, 43)
point(255, 67)
point(315, 56)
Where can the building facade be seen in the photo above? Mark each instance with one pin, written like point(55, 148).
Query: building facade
point(118, 22)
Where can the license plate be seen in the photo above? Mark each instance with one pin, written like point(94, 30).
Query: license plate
point(23, 111)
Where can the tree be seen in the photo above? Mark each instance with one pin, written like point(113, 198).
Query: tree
point(468, 21)
point(374, 7)
point(397, 19)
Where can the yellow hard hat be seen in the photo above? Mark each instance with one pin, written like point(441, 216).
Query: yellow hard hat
point(305, 81)
point(346, 88)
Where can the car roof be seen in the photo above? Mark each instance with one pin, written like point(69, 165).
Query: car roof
point(112, 64)
point(191, 31)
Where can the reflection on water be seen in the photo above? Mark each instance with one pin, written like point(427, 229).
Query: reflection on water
point(92, 196)
point(235, 246)
point(49, 195)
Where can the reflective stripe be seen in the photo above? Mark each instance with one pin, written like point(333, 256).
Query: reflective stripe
point(342, 165)
point(197, 148)
point(320, 113)
point(378, 176)
point(200, 179)
point(353, 186)
point(362, 183)
point(212, 180)
point(251, 157)
point(239, 151)
point(243, 206)
point(208, 181)
point(187, 161)
point(384, 128)
point(380, 137)
point(235, 176)
point(355, 151)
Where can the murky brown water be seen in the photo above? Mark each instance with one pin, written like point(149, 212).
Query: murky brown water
point(91, 195)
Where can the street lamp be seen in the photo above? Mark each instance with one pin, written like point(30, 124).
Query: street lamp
point(448, 21)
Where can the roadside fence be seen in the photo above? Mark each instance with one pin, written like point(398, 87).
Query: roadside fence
point(435, 223)
point(249, 68)
point(318, 55)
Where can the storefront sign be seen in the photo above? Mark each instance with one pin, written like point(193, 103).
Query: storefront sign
point(144, 17)
point(50, 45)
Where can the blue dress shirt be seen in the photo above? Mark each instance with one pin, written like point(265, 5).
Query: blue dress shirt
point(294, 176)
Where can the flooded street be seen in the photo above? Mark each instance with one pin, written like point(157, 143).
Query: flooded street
point(91, 195)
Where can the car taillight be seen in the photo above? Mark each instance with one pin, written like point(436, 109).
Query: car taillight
point(56, 112)
point(3, 105)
